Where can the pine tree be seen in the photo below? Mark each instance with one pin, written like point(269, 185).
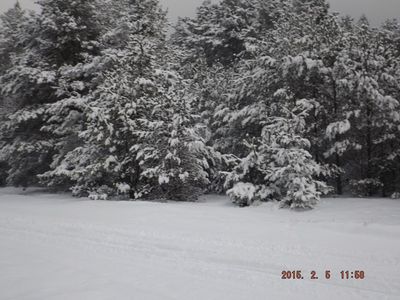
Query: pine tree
point(216, 41)
point(140, 138)
point(12, 26)
point(280, 167)
point(224, 31)
point(11, 23)
point(288, 65)
point(56, 40)
point(293, 171)
point(374, 107)
point(11, 30)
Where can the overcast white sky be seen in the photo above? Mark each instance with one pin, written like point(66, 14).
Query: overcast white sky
point(376, 10)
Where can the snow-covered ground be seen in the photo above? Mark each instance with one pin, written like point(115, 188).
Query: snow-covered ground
point(57, 247)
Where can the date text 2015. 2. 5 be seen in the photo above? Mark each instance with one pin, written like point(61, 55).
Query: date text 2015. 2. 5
point(327, 274)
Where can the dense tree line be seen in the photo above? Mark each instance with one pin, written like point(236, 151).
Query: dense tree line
point(263, 100)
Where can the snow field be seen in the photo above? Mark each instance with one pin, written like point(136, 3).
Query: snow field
point(57, 247)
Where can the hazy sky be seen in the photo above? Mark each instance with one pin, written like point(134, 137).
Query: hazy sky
point(376, 10)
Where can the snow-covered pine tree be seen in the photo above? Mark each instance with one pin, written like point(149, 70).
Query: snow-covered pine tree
point(293, 170)
point(11, 27)
point(60, 37)
point(279, 165)
point(180, 162)
point(314, 68)
point(223, 31)
point(374, 107)
point(122, 50)
point(389, 36)
point(66, 118)
point(141, 138)
point(286, 61)
point(308, 53)
point(11, 23)
point(211, 44)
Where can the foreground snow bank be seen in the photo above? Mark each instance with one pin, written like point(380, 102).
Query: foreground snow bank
point(58, 247)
